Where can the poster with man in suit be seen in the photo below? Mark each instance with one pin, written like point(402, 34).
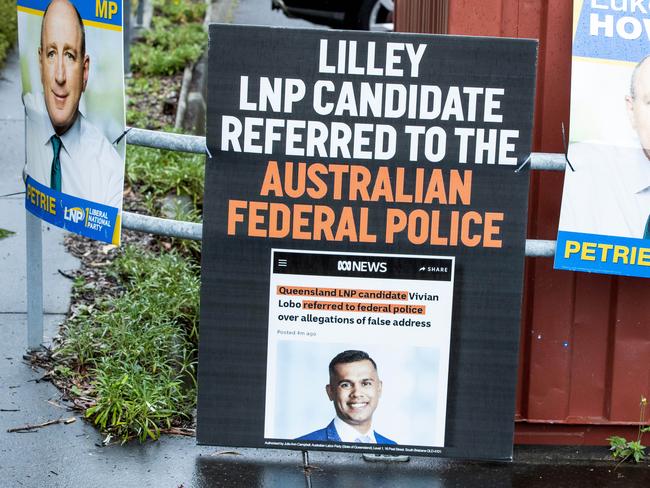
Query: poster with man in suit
point(605, 217)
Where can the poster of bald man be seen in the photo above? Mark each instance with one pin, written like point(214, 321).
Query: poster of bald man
point(71, 59)
point(605, 217)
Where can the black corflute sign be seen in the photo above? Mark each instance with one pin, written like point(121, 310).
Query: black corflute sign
point(363, 241)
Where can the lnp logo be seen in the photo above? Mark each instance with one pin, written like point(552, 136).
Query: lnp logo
point(364, 266)
point(75, 214)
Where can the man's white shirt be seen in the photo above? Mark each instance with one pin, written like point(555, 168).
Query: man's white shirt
point(609, 191)
point(347, 433)
point(91, 168)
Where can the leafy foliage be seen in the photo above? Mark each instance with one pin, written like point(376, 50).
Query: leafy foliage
point(160, 172)
point(624, 450)
point(139, 348)
point(8, 28)
point(142, 89)
point(168, 47)
point(5, 233)
point(181, 11)
point(186, 246)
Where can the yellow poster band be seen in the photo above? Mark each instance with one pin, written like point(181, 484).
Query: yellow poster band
point(88, 23)
point(117, 229)
point(615, 62)
point(577, 8)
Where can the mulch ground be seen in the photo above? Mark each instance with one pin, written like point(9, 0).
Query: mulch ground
point(158, 107)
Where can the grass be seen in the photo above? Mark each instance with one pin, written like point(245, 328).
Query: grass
point(162, 176)
point(136, 353)
point(186, 246)
point(181, 12)
point(159, 173)
point(8, 28)
point(144, 98)
point(168, 47)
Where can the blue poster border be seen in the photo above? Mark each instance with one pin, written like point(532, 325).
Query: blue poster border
point(105, 14)
point(596, 253)
point(84, 217)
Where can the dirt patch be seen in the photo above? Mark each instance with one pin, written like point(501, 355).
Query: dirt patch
point(153, 101)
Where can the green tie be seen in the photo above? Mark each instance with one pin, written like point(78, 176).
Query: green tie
point(646, 234)
point(55, 174)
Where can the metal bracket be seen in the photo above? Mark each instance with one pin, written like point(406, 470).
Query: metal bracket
point(385, 458)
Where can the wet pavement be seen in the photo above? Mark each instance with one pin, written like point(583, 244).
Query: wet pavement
point(71, 455)
point(351, 471)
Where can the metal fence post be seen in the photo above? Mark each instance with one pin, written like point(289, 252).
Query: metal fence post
point(140, 14)
point(34, 279)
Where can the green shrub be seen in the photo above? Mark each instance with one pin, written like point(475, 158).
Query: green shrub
point(167, 48)
point(181, 11)
point(160, 173)
point(144, 96)
point(139, 348)
point(624, 450)
point(138, 118)
point(8, 28)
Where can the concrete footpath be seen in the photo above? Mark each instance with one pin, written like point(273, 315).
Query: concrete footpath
point(71, 455)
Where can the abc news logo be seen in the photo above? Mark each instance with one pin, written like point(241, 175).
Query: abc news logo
point(363, 266)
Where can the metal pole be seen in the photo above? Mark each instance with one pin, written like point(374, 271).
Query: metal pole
point(306, 468)
point(34, 255)
point(33, 276)
point(197, 144)
point(166, 140)
point(140, 14)
point(162, 227)
point(305, 459)
point(385, 458)
point(538, 248)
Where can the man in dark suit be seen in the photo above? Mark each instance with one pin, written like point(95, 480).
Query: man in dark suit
point(355, 389)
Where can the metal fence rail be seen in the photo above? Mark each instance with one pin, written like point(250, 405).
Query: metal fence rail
point(162, 227)
point(196, 144)
point(166, 140)
point(548, 161)
point(187, 230)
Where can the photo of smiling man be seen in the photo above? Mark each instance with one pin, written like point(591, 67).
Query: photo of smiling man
point(74, 157)
point(355, 389)
point(330, 394)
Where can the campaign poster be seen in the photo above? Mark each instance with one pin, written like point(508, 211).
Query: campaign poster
point(72, 70)
point(363, 241)
point(605, 217)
